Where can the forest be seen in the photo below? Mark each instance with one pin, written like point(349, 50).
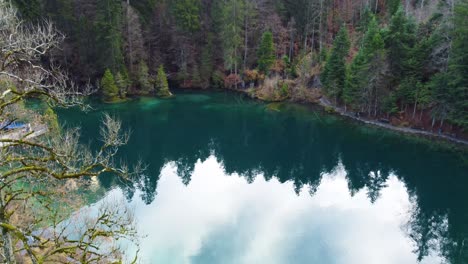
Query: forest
point(403, 62)
point(380, 58)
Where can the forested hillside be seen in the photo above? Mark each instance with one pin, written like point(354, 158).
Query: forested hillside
point(402, 61)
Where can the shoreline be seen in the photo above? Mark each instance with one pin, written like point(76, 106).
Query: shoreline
point(323, 103)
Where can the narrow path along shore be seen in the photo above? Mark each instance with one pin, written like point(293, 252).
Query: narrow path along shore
point(35, 131)
point(325, 103)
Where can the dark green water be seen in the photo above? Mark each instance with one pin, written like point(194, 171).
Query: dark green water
point(236, 181)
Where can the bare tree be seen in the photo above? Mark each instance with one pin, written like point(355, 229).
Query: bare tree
point(35, 198)
point(133, 38)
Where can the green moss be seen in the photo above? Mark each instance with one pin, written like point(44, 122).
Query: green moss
point(52, 120)
point(329, 109)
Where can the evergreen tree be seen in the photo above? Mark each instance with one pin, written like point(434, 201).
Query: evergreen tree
point(162, 86)
point(440, 97)
point(266, 52)
point(196, 78)
point(399, 40)
point(334, 74)
point(29, 9)
point(187, 14)
point(458, 66)
point(365, 78)
point(392, 6)
point(231, 19)
point(123, 83)
point(109, 38)
point(109, 88)
point(143, 77)
point(207, 64)
point(365, 19)
point(412, 89)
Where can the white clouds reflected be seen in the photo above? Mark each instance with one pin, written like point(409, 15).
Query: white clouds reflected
point(220, 218)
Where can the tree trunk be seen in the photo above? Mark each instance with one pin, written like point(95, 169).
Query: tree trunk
point(246, 42)
point(6, 237)
point(130, 48)
point(291, 43)
point(306, 31)
point(8, 247)
point(235, 49)
point(375, 104)
point(441, 123)
point(421, 10)
point(320, 26)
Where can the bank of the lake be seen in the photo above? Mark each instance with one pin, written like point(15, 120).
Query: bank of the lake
point(317, 99)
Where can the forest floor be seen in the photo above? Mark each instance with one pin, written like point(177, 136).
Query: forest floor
point(325, 103)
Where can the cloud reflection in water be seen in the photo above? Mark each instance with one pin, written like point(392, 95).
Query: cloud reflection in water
point(220, 218)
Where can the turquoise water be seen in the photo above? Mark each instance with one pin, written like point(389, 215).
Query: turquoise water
point(232, 180)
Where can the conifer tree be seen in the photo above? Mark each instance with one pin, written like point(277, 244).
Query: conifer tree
point(29, 9)
point(412, 89)
point(109, 37)
point(206, 64)
point(109, 88)
point(364, 79)
point(123, 83)
point(143, 77)
point(231, 19)
point(334, 74)
point(399, 40)
point(458, 66)
point(187, 14)
point(266, 52)
point(162, 86)
point(441, 97)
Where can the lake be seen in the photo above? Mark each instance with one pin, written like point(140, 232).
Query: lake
point(232, 180)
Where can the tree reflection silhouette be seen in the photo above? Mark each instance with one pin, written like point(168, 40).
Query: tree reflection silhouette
point(299, 146)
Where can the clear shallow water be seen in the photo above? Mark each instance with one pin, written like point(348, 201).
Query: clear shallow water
point(236, 181)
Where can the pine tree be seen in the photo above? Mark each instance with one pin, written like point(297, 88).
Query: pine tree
point(187, 14)
point(162, 86)
point(392, 6)
point(109, 88)
point(207, 64)
point(143, 77)
point(29, 9)
point(458, 66)
point(440, 97)
point(123, 82)
point(196, 78)
point(399, 40)
point(266, 52)
point(364, 83)
point(334, 74)
point(231, 19)
point(412, 88)
point(109, 38)
point(365, 18)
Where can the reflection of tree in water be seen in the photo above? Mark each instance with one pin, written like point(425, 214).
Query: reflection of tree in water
point(427, 231)
point(300, 149)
